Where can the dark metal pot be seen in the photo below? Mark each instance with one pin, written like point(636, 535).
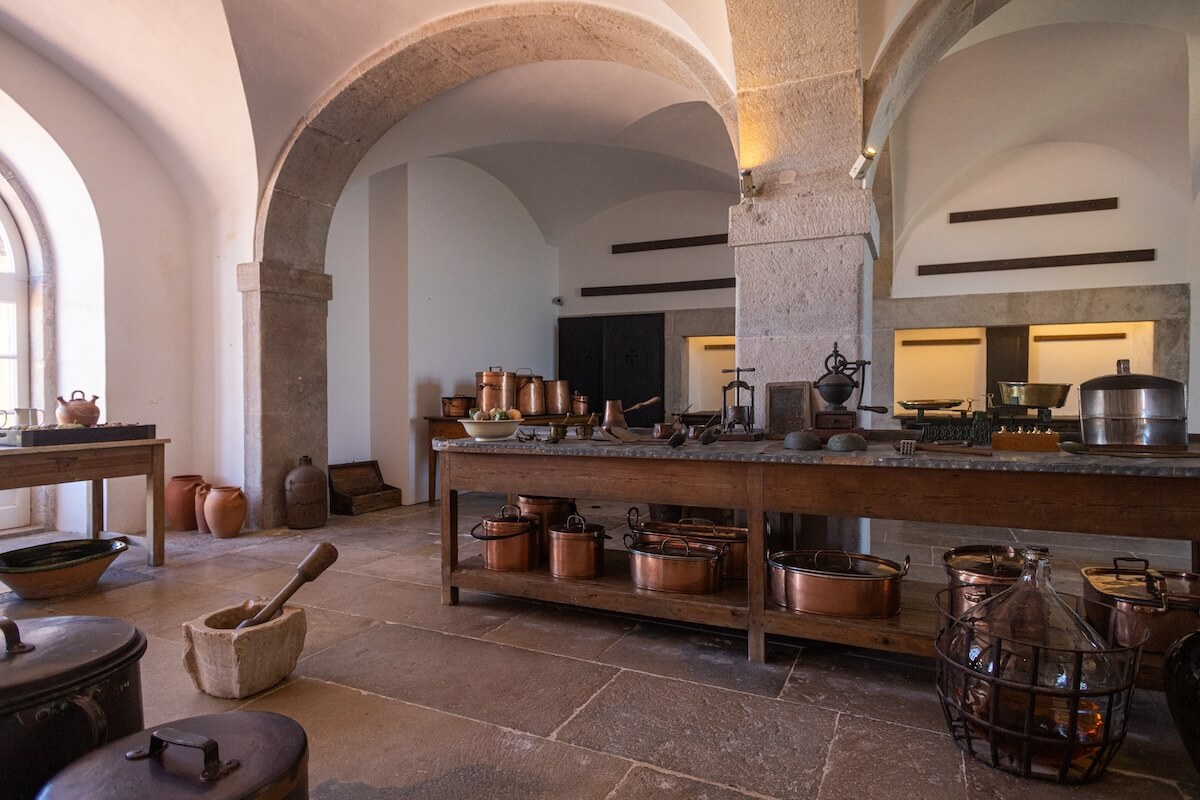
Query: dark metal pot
point(234, 756)
point(1130, 411)
point(67, 686)
point(1166, 602)
point(836, 583)
point(550, 511)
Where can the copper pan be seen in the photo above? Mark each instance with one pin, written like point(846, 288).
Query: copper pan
point(836, 583)
point(675, 565)
point(698, 531)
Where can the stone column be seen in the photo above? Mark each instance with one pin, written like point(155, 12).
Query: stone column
point(284, 375)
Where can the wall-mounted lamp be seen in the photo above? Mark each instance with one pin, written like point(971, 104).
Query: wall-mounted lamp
point(863, 163)
point(748, 187)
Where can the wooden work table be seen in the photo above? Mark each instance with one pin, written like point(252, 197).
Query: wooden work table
point(1158, 497)
point(24, 467)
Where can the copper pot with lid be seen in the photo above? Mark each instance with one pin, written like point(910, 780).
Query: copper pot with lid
point(982, 570)
point(558, 397)
point(531, 397)
point(496, 388)
point(1131, 594)
point(577, 549)
point(675, 565)
point(700, 531)
point(457, 405)
point(836, 583)
point(510, 540)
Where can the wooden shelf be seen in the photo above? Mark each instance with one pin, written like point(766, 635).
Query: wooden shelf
point(612, 592)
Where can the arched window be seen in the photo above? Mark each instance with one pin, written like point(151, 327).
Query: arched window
point(14, 348)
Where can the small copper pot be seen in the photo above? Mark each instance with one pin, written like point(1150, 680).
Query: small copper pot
point(577, 549)
point(550, 511)
point(558, 397)
point(509, 540)
point(579, 404)
point(456, 406)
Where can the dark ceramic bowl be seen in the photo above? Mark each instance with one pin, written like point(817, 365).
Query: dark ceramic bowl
point(58, 568)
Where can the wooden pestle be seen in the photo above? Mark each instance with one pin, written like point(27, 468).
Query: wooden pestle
point(316, 562)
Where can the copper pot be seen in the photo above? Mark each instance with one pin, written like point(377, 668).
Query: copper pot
point(579, 404)
point(457, 406)
point(496, 389)
point(577, 549)
point(699, 531)
point(836, 583)
point(509, 540)
point(558, 397)
point(549, 511)
point(982, 570)
point(675, 565)
point(531, 397)
point(1125, 599)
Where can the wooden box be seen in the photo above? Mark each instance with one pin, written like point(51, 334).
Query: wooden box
point(358, 487)
point(45, 437)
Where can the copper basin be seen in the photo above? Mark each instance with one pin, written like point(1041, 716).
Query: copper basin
point(836, 583)
point(675, 565)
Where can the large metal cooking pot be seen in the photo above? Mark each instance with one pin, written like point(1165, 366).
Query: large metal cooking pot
point(982, 570)
point(456, 406)
point(238, 755)
point(700, 531)
point(550, 511)
point(510, 540)
point(1126, 411)
point(558, 397)
point(674, 565)
point(1165, 601)
point(836, 583)
point(67, 685)
point(496, 389)
point(1032, 395)
point(577, 549)
point(531, 397)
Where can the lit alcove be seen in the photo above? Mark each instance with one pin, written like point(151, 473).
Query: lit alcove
point(707, 356)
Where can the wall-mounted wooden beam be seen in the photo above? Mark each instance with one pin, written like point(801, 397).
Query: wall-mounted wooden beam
point(1039, 210)
point(1072, 260)
point(655, 288)
point(1077, 337)
point(720, 347)
point(668, 244)
point(937, 342)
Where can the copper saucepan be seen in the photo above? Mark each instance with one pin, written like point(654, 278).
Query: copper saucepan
point(836, 583)
point(698, 531)
point(675, 565)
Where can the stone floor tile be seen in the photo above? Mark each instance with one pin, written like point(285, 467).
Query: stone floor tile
point(421, 606)
point(869, 687)
point(371, 748)
point(212, 571)
point(985, 783)
point(422, 565)
point(167, 690)
point(165, 619)
point(715, 659)
point(128, 600)
point(327, 628)
point(564, 631)
point(520, 689)
point(293, 550)
point(330, 588)
point(872, 759)
point(15, 608)
point(644, 783)
point(1152, 744)
point(730, 738)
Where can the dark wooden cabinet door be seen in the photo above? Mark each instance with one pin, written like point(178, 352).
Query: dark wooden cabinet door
point(581, 357)
point(633, 364)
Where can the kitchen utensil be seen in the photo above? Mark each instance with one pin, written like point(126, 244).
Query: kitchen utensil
point(549, 511)
point(908, 447)
point(242, 755)
point(1133, 412)
point(78, 410)
point(982, 570)
point(496, 388)
point(675, 565)
point(1080, 449)
point(531, 394)
point(614, 415)
point(225, 659)
point(624, 434)
point(558, 397)
point(836, 583)
point(677, 438)
point(1166, 602)
point(699, 531)
point(928, 405)
point(1032, 395)
point(316, 562)
point(457, 405)
point(67, 685)
point(709, 435)
point(510, 540)
point(577, 549)
point(58, 568)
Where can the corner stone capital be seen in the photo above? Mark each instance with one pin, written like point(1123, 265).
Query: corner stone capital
point(803, 217)
point(257, 276)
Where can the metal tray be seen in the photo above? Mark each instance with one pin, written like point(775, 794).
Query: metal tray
point(12, 437)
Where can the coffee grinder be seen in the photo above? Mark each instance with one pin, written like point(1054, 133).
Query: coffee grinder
point(738, 415)
point(836, 387)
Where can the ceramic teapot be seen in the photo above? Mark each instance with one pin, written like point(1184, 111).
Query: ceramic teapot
point(78, 410)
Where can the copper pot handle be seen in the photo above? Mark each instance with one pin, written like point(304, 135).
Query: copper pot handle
point(97, 720)
point(849, 560)
point(687, 548)
point(483, 537)
point(904, 567)
point(214, 767)
point(12, 637)
point(697, 521)
point(630, 540)
point(633, 517)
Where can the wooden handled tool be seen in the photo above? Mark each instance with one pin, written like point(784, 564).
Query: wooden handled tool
point(644, 404)
point(908, 446)
point(316, 562)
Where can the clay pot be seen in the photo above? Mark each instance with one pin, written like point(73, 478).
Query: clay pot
point(201, 495)
point(306, 496)
point(181, 501)
point(78, 411)
point(225, 510)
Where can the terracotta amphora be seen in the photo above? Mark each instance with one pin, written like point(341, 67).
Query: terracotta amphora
point(181, 501)
point(225, 510)
point(201, 495)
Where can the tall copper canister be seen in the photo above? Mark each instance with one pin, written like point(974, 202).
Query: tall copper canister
point(558, 397)
point(509, 540)
point(551, 511)
point(577, 549)
point(983, 570)
point(495, 388)
point(531, 393)
point(579, 404)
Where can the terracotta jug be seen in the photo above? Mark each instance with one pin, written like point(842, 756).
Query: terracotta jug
point(78, 410)
point(181, 501)
point(225, 510)
point(201, 495)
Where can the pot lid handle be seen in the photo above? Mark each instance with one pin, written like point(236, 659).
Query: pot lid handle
point(572, 522)
point(1145, 569)
point(12, 637)
point(1122, 366)
point(214, 767)
point(698, 521)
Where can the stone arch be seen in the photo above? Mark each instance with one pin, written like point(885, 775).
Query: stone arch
point(285, 290)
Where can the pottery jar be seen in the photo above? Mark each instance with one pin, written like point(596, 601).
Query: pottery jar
point(181, 501)
point(225, 510)
point(306, 496)
point(78, 410)
point(201, 495)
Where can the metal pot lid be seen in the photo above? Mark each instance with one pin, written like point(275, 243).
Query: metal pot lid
point(66, 652)
point(1143, 585)
point(576, 527)
point(1124, 379)
point(994, 560)
point(677, 550)
point(271, 752)
point(838, 564)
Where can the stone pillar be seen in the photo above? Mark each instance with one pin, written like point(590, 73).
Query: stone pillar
point(284, 374)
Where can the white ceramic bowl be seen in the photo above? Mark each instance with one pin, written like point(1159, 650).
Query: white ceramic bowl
point(490, 430)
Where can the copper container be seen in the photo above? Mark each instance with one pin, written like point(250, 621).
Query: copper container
point(531, 394)
point(457, 406)
point(983, 570)
point(509, 540)
point(558, 397)
point(577, 549)
point(663, 430)
point(579, 404)
point(836, 583)
point(675, 565)
point(699, 531)
point(496, 389)
point(1124, 599)
point(549, 511)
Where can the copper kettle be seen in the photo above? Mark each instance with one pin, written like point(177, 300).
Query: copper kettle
point(78, 410)
point(614, 415)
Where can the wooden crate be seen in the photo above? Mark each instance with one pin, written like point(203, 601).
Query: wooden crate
point(358, 487)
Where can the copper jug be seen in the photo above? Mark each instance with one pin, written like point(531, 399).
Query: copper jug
point(614, 417)
point(77, 410)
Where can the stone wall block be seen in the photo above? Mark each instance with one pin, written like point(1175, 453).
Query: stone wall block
point(354, 114)
point(783, 40)
point(415, 75)
point(295, 231)
point(483, 47)
point(318, 166)
point(637, 42)
point(783, 359)
point(811, 126)
point(783, 218)
point(799, 288)
point(554, 37)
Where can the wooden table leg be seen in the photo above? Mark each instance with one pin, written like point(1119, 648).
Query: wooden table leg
point(449, 543)
point(156, 508)
point(1196, 556)
point(95, 507)
point(433, 459)
point(756, 577)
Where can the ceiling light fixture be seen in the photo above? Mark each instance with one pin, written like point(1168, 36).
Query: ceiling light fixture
point(859, 170)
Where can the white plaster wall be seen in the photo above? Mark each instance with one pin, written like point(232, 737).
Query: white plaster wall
point(1149, 216)
point(481, 280)
point(586, 259)
point(139, 359)
point(347, 260)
